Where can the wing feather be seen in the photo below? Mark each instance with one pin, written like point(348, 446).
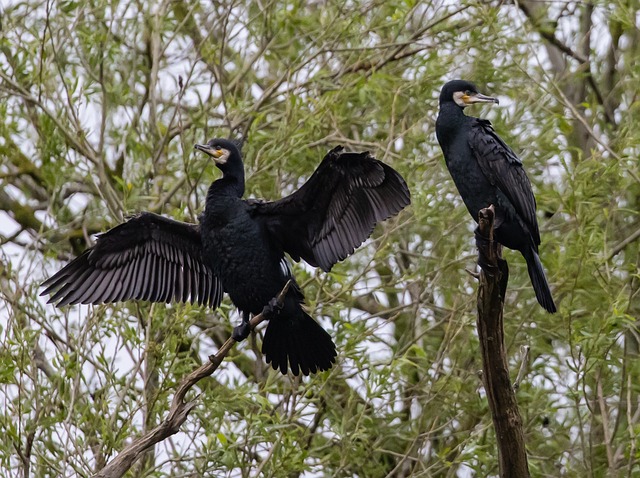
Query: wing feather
point(70, 295)
point(138, 286)
point(112, 290)
point(125, 281)
point(186, 273)
point(504, 169)
point(149, 277)
point(149, 257)
point(336, 210)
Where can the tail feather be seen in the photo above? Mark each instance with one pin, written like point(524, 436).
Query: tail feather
point(539, 281)
point(298, 343)
point(295, 357)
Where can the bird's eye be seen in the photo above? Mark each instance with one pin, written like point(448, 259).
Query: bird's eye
point(468, 93)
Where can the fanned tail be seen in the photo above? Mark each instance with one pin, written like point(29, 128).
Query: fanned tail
point(300, 343)
point(539, 281)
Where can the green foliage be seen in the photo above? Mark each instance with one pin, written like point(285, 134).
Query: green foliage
point(95, 127)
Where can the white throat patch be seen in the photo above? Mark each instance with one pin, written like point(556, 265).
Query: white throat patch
point(458, 98)
point(224, 157)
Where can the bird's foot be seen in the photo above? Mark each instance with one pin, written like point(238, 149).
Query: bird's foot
point(273, 307)
point(486, 265)
point(481, 239)
point(241, 332)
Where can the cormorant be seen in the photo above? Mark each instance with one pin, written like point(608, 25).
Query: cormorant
point(239, 246)
point(486, 171)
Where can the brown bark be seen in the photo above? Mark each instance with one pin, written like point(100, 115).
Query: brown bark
point(507, 421)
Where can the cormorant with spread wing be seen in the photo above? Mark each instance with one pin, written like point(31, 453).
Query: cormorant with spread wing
point(486, 171)
point(239, 247)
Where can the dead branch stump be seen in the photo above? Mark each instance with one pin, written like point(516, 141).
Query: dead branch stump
point(507, 421)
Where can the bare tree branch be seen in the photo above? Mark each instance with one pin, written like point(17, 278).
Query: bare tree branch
point(582, 58)
point(618, 248)
point(179, 410)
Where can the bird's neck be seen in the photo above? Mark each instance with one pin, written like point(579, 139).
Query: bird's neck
point(452, 111)
point(450, 120)
point(230, 185)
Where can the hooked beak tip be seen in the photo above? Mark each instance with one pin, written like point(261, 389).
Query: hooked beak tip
point(206, 149)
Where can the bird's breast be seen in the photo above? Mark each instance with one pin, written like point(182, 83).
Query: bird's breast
point(241, 255)
point(474, 187)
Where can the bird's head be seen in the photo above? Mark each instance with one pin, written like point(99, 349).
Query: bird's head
point(221, 150)
point(463, 93)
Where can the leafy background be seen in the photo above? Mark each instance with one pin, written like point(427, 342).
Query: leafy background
point(102, 102)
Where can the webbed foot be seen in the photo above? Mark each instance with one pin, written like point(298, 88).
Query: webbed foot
point(272, 307)
point(241, 332)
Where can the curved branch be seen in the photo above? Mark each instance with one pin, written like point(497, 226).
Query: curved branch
point(179, 408)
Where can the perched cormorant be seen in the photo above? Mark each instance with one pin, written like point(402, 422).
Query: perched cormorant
point(486, 171)
point(239, 247)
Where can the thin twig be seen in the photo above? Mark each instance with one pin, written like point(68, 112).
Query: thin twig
point(623, 244)
point(523, 367)
point(604, 415)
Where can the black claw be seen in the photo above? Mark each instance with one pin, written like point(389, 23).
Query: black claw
point(241, 332)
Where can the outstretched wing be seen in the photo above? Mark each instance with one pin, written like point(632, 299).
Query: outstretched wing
point(149, 257)
point(336, 209)
point(504, 169)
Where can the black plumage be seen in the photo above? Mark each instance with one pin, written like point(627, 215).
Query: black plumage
point(486, 171)
point(149, 257)
point(239, 247)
